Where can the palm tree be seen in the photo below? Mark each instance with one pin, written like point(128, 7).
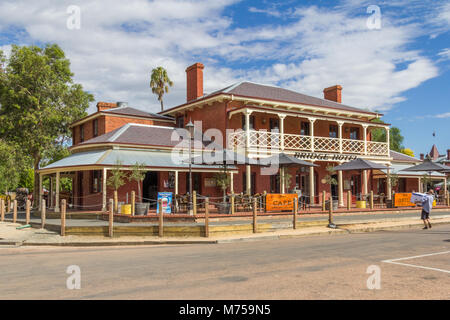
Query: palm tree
point(160, 83)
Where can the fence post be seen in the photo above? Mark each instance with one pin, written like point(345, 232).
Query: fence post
point(2, 210)
point(14, 211)
point(255, 227)
point(111, 218)
point(206, 217)
point(8, 205)
point(161, 221)
point(294, 222)
point(324, 208)
point(27, 212)
point(63, 217)
point(232, 204)
point(371, 199)
point(116, 202)
point(133, 201)
point(264, 200)
point(194, 202)
point(349, 200)
point(43, 208)
point(448, 200)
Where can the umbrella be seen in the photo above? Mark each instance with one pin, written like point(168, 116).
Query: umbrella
point(360, 165)
point(286, 160)
point(223, 157)
point(429, 166)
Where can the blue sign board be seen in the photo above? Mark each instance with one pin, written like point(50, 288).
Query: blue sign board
point(166, 198)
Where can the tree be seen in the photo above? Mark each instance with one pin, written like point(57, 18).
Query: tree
point(10, 167)
point(160, 82)
point(395, 137)
point(38, 100)
point(116, 180)
point(328, 179)
point(408, 152)
point(138, 175)
point(223, 181)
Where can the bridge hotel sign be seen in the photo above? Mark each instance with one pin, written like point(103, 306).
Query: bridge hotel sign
point(324, 156)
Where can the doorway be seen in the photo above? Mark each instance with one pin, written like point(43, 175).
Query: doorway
point(334, 188)
point(150, 187)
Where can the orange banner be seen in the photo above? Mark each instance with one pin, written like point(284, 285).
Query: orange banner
point(403, 200)
point(280, 202)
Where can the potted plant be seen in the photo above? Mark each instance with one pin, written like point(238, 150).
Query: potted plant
point(138, 175)
point(394, 181)
point(223, 181)
point(115, 181)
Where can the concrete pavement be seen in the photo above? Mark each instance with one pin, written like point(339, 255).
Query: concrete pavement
point(295, 268)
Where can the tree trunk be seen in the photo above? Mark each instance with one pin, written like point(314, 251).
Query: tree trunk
point(37, 159)
point(162, 105)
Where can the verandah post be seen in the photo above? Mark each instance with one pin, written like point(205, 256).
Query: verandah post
point(133, 201)
point(111, 218)
point(323, 200)
point(43, 208)
point(27, 212)
point(2, 210)
point(349, 200)
point(294, 222)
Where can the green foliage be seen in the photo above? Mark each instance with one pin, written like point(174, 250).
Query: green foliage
point(117, 178)
point(394, 179)
point(395, 137)
point(138, 175)
point(222, 180)
point(26, 179)
point(38, 99)
point(329, 177)
point(9, 167)
point(160, 82)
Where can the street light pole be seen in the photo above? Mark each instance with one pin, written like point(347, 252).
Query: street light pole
point(190, 128)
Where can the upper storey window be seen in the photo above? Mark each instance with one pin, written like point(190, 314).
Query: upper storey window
point(252, 122)
point(354, 133)
point(304, 128)
point(333, 131)
point(82, 133)
point(95, 127)
point(180, 121)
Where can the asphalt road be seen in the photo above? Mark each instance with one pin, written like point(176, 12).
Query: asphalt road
point(320, 267)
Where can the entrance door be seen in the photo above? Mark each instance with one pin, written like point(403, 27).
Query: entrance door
point(150, 187)
point(196, 182)
point(80, 188)
point(356, 184)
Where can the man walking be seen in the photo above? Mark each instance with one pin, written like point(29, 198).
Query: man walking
point(427, 204)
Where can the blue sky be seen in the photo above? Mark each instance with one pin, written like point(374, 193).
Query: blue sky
point(401, 69)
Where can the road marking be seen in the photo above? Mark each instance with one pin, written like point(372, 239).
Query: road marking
point(394, 261)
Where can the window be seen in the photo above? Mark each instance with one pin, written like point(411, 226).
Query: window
point(304, 128)
point(180, 122)
point(252, 182)
point(96, 181)
point(274, 124)
point(333, 131)
point(354, 133)
point(252, 122)
point(95, 127)
point(82, 133)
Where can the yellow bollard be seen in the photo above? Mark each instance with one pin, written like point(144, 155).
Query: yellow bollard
point(294, 222)
point(27, 212)
point(323, 201)
point(133, 202)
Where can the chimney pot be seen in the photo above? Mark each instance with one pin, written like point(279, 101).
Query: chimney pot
point(194, 81)
point(333, 93)
point(448, 154)
point(105, 106)
point(422, 156)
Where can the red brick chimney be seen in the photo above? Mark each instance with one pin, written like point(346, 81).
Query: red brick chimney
point(448, 154)
point(422, 156)
point(194, 81)
point(105, 105)
point(333, 93)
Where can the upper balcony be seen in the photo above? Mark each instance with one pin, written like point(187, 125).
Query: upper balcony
point(273, 142)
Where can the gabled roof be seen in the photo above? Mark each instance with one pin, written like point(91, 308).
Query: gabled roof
point(267, 92)
point(139, 134)
point(401, 157)
point(129, 111)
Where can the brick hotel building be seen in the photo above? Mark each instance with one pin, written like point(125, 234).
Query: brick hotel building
point(254, 119)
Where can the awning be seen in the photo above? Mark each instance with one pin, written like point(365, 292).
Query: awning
point(398, 169)
point(91, 160)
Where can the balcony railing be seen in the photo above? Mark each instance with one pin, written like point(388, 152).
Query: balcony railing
point(271, 141)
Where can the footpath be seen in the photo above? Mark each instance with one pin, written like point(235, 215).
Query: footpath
point(11, 236)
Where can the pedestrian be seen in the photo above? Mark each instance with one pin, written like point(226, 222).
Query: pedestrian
point(427, 204)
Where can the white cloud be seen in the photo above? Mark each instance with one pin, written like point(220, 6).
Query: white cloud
point(120, 42)
point(443, 115)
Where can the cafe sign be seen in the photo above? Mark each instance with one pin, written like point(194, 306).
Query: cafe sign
point(280, 202)
point(324, 156)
